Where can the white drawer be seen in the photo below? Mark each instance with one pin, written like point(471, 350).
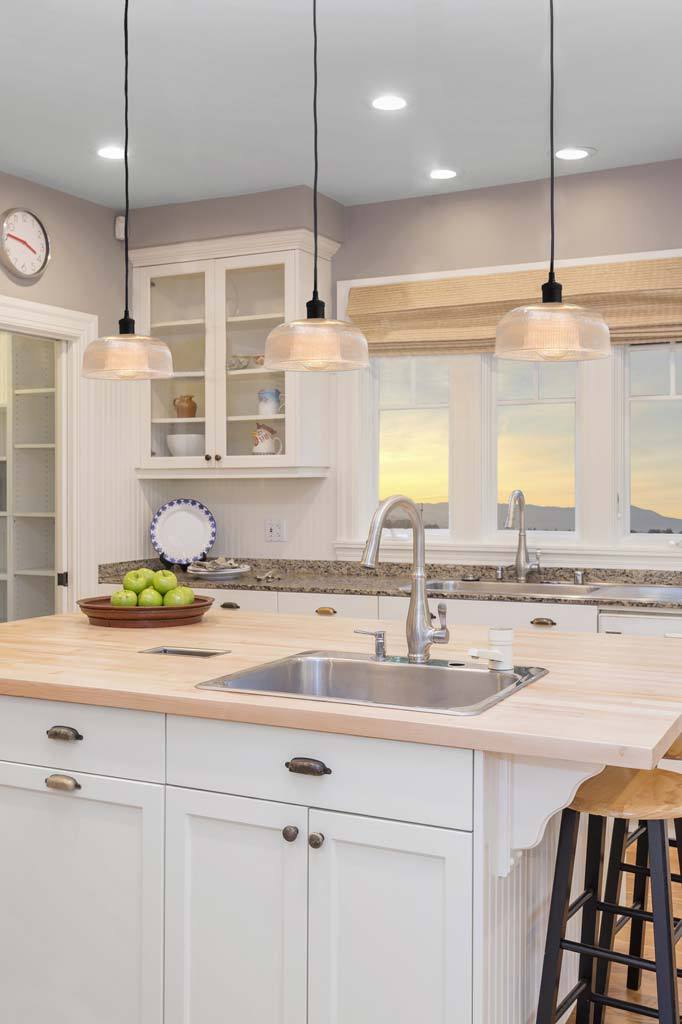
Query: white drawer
point(383, 778)
point(363, 606)
point(567, 618)
point(116, 742)
point(640, 625)
point(249, 600)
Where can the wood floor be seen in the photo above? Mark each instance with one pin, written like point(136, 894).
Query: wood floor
point(647, 993)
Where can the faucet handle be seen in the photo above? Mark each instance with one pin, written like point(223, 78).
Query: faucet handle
point(379, 641)
point(443, 615)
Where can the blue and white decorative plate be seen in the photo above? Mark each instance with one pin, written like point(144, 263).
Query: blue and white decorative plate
point(183, 531)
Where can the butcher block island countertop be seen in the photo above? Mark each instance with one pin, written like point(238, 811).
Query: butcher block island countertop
point(607, 699)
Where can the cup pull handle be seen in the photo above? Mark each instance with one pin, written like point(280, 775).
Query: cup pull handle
point(325, 610)
point(64, 732)
point(230, 605)
point(64, 783)
point(542, 621)
point(307, 766)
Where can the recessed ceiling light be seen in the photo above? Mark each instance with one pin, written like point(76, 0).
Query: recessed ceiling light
point(443, 173)
point(389, 102)
point(575, 152)
point(111, 152)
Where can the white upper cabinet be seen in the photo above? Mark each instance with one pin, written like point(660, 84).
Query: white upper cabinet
point(223, 413)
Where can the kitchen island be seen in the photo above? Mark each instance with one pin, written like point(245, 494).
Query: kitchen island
point(408, 882)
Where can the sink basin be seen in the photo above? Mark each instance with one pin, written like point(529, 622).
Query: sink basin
point(454, 688)
point(530, 589)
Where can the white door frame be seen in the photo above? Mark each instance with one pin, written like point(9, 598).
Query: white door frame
point(78, 330)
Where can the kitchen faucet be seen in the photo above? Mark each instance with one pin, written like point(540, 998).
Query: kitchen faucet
point(522, 563)
point(420, 633)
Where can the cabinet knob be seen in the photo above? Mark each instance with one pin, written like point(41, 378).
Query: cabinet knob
point(218, 458)
point(290, 833)
point(315, 839)
point(325, 610)
point(64, 783)
point(208, 457)
point(230, 605)
point(542, 621)
point(307, 766)
point(64, 732)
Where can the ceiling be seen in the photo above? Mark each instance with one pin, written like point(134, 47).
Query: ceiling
point(220, 93)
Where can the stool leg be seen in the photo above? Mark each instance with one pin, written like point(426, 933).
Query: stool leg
point(558, 914)
point(588, 933)
point(608, 921)
point(639, 893)
point(678, 839)
point(664, 943)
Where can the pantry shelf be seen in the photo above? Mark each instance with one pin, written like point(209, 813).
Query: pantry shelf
point(253, 318)
point(246, 419)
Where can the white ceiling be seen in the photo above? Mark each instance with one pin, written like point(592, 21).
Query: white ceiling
point(220, 93)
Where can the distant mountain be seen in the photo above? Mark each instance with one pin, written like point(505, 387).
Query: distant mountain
point(544, 517)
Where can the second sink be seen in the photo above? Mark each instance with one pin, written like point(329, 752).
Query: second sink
point(529, 588)
point(455, 688)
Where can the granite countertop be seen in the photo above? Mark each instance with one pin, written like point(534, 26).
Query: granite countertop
point(336, 577)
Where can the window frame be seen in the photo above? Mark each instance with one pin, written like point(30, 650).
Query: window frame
point(601, 536)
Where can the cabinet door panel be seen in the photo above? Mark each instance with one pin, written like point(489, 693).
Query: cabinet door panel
point(534, 616)
point(236, 928)
point(390, 922)
point(81, 891)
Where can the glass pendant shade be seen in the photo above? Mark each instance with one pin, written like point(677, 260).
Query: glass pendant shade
point(552, 331)
point(127, 357)
point(316, 344)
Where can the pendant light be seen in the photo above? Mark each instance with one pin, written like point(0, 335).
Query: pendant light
point(127, 355)
point(552, 330)
point(316, 343)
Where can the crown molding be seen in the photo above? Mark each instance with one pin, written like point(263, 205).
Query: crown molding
point(234, 245)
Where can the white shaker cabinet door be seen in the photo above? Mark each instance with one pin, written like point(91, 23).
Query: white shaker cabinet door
point(390, 922)
point(236, 895)
point(81, 892)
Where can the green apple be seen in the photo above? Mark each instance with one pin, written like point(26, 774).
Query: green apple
point(189, 594)
point(150, 598)
point(177, 598)
point(124, 599)
point(164, 580)
point(138, 580)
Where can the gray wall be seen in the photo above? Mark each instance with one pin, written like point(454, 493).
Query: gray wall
point(85, 272)
point(632, 209)
point(236, 215)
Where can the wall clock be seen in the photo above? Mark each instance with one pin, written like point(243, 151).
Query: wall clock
point(24, 244)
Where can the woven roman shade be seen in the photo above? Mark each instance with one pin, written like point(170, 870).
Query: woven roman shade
point(641, 300)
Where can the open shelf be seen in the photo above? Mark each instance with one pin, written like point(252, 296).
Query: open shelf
point(34, 391)
point(252, 371)
point(35, 572)
point(180, 419)
point(34, 446)
point(254, 318)
point(165, 325)
point(253, 418)
point(188, 374)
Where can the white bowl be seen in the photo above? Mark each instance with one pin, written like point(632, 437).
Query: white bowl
point(183, 446)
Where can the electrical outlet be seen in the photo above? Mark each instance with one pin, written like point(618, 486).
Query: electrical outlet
point(276, 530)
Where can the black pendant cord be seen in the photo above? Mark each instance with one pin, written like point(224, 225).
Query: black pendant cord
point(127, 324)
point(551, 290)
point(315, 307)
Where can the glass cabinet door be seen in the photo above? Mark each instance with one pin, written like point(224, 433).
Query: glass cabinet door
point(181, 407)
point(255, 398)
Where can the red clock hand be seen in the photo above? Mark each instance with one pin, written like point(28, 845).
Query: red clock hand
point(23, 242)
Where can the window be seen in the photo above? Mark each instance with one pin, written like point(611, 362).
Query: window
point(654, 378)
point(414, 435)
point(536, 435)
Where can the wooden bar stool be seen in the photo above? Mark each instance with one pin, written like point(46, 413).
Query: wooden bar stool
point(651, 799)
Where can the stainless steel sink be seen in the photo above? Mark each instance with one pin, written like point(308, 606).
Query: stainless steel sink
point(627, 592)
point(528, 589)
point(455, 688)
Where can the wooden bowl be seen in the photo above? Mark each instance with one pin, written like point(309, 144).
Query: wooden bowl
point(101, 612)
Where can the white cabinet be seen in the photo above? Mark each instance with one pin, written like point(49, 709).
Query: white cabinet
point(248, 600)
point(375, 923)
point(390, 922)
point(360, 606)
point(236, 906)
point(81, 891)
point(567, 618)
point(640, 624)
point(223, 414)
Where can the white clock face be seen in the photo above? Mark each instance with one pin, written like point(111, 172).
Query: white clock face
point(24, 245)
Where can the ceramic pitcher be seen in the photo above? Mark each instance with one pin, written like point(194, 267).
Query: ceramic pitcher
point(185, 406)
